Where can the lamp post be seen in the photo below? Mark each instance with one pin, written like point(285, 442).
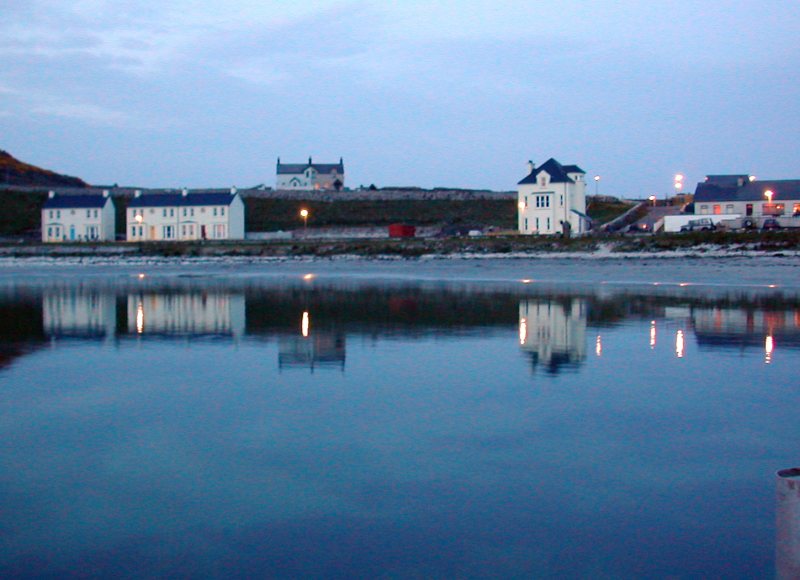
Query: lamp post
point(678, 182)
point(768, 194)
point(304, 215)
point(596, 184)
point(652, 199)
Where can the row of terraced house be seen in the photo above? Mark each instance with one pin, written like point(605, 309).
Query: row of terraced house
point(163, 216)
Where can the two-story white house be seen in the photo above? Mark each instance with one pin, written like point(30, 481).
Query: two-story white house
point(185, 216)
point(310, 176)
point(78, 218)
point(552, 198)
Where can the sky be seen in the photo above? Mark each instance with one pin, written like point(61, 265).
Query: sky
point(432, 94)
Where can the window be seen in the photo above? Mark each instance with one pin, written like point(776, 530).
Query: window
point(526, 225)
point(703, 209)
point(542, 201)
point(171, 212)
point(191, 212)
point(50, 231)
point(222, 211)
point(165, 212)
point(152, 211)
point(184, 212)
point(169, 232)
point(729, 208)
point(543, 180)
point(215, 211)
point(72, 212)
point(133, 231)
point(717, 209)
point(548, 224)
point(88, 213)
point(51, 214)
point(796, 209)
point(58, 213)
point(95, 213)
point(561, 200)
point(537, 224)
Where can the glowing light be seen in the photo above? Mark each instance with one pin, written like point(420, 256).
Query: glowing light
point(309, 277)
point(752, 178)
point(683, 284)
point(304, 213)
point(769, 346)
point(526, 280)
point(679, 177)
point(772, 285)
point(141, 276)
point(652, 334)
point(305, 324)
point(597, 178)
point(523, 331)
point(679, 344)
point(139, 218)
point(139, 318)
point(678, 185)
point(768, 194)
point(598, 346)
point(521, 205)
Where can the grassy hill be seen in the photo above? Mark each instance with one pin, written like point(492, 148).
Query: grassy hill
point(15, 172)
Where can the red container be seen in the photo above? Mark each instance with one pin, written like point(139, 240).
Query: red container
point(402, 231)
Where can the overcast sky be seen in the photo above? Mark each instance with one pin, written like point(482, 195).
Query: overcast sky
point(193, 93)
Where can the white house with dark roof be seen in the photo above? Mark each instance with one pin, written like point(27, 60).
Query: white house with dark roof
point(78, 218)
point(746, 196)
point(310, 176)
point(185, 216)
point(552, 198)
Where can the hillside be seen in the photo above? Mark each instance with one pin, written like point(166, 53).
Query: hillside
point(16, 172)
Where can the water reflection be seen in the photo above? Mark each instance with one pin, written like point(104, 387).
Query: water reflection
point(551, 325)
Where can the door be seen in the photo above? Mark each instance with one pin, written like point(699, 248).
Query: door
point(748, 209)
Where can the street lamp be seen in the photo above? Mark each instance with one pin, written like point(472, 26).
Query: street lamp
point(768, 194)
point(304, 215)
point(652, 199)
point(596, 184)
point(678, 182)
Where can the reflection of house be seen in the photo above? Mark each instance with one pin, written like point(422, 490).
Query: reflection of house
point(320, 349)
point(551, 196)
point(73, 218)
point(310, 175)
point(553, 332)
point(185, 216)
point(194, 314)
point(80, 313)
point(743, 195)
point(741, 328)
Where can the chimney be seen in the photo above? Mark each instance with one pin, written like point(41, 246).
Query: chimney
point(233, 190)
point(51, 194)
point(309, 159)
point(531, 167)
point(137, 193)
point(105, 193)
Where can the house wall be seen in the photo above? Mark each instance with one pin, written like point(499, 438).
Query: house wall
point(212, 222)
point(314, 181)
point(76, 225)
point(760, 208)
point(563, 198)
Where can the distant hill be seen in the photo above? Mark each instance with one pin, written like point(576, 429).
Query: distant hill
point(15, 172)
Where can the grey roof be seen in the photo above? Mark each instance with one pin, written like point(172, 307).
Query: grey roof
point(75, 201)
point(178, 199)
point(783, 190)
point(557, 172)
point(295, 168)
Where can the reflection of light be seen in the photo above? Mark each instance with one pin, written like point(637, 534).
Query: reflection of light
point(140, 317)
point(652, 334)
point(527, 281)
point(141, 276)
point(772, 286)
point(598, 346)
point(304, 325)
point(523, 330)
point(683, 284)
point(769, 346)
point(679, 344)
point(308, 277)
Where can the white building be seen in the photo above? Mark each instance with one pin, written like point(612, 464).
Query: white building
point(310, 176)
point(748, 197)
point(185, 216)
point(78, 218)
point(551, 196)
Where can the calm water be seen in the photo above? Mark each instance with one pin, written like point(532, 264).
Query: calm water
point(174, 422)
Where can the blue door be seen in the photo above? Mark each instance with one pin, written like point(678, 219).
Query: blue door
point(71, 232)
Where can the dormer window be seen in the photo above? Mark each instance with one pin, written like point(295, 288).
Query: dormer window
point(543, 180)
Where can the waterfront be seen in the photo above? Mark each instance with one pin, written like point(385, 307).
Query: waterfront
point(470, 418)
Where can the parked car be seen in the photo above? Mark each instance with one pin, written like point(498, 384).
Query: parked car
point(638, 229)
point(699, 225)
point(771, 224)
